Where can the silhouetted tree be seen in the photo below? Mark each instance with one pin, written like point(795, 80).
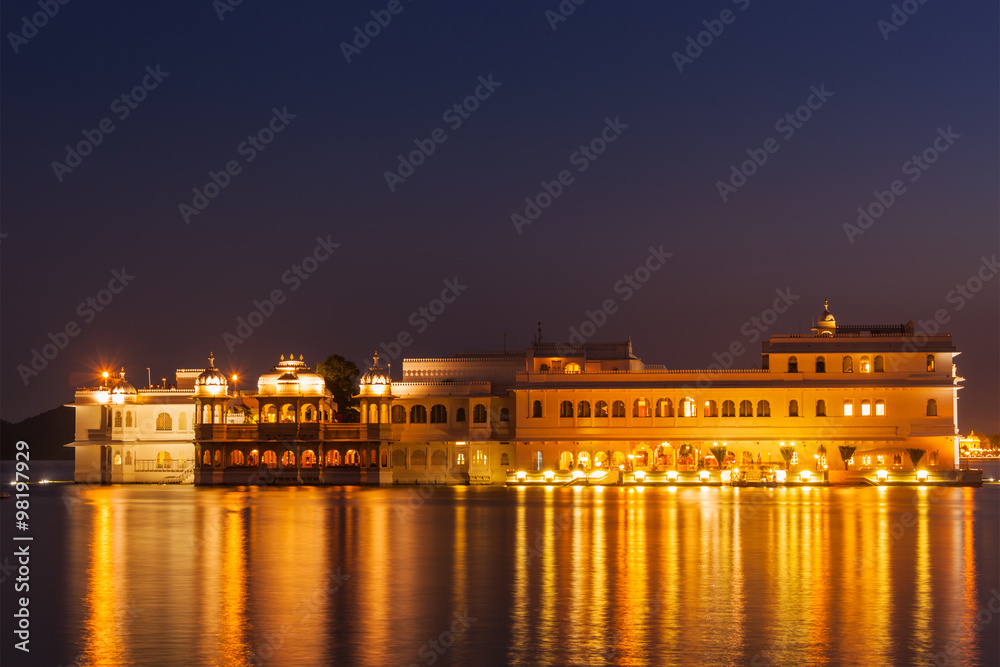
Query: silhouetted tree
point(916, 455)
point(719, 452)
point(846, 452)
point(786, 453)
point(341, 377)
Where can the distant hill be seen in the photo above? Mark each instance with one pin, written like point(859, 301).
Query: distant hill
point(45, 433)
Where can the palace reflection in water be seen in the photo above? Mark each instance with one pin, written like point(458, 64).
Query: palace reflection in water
point(380, 576)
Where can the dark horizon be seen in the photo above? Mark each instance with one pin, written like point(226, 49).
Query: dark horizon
point(583, 152)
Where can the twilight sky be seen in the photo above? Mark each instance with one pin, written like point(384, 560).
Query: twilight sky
point(621, 134)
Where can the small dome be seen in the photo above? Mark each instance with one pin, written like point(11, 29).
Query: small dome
point(827, 323)
point(375, 374)
point(291, 376)
point(123, 386)
point(211, 376)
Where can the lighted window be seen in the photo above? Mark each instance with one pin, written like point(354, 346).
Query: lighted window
point(879, 407)
point(163, 460)
point(848, 365)
point(236, 458)
point(118, 459)
point(763, 409)
point(418, 415)
point(460, 458)
point(479, 414)
point(931, 407)
point(118, 419)
point(746, 409)
point(479, 458)
point(848, 408)
point(333, 458)
point(618, 409)
point(641, 407)
point(880, 459)
point(536, 409)
point(821, 408)
point(218, 458)
point(820, 364)
point(288, 460)
point(566, 409)
point(601, 409)
point(352, 458)
point(795, 458)
point(399, 414)
point(793, 364)
point(879, 364)
point(583, 409)
point(572, 368)
point(793, 408)
point(866, 365)
point(206, 460)
point(664, 408)
point(688, 408)
point(537, 460)
point(504, 414)
point(728, 409)
point(711, 409)
point(439, 414)
point(866, 408)
point(931, 365)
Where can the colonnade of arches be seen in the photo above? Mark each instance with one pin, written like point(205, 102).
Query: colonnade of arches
point(303, 457)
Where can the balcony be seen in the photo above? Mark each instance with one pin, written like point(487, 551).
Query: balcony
point(294, 431)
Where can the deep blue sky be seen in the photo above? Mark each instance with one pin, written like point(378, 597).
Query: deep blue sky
point(324, 176)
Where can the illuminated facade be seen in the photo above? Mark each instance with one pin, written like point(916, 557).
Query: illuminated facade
point(477, 418)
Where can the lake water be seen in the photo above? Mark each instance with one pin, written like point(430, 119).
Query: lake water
point(132, 575)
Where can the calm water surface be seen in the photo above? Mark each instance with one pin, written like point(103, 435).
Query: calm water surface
point(579, 576)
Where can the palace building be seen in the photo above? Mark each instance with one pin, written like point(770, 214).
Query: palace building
point(552, 409)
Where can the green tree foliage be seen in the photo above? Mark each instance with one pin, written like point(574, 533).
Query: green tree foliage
point(341, 377)
point(846, 452)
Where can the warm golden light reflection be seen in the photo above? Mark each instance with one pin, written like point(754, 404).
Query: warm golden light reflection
point(103, 642)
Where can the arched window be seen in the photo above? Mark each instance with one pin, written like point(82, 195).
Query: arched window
point(879, 407)
point(618, 409)
point(583, 409)
point(439, 414)
point(118, 459)
point(821, 408)
point(848, 365)
point(763, 409)
point(307, 414)
point(439, 458)
point(352, 458)
point(460, 456)
point(536, 409)
point(128, 458)
point(418, 415)
point(504, 459)
point(333, 458)
point(109, 418)
point(309, 459)
point(479, 414)
point(848, 407)
point(879, 364)
point(687, 408)
point(398, 458)
point(746, 409)
point(236, 458)
point(288, 459)
point(163, 460)
point(664, 408)
point(866, 408)
point(931, 407)
point(505, 414)
point(572, 368)
point(793, 408)
point(398, 414)
point(566, 409)
point(820, 364)
point(641, 407)
point(931, 365)
point(287, 415)
point(566, 460)
point(536, 461)
point(866, 364)
point(269, 412)
point(728, 409)
point(793, 364)
point(600, 409)
point(163, 422)
point(128, 419)
point(206, 460)
point(479, 458)
point(711, 409)
point(118, 419)
point(373, 413)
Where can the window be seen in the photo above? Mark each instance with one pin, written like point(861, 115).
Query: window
point(711, 409)
point(439, 414)
point(618, 409)
point(118, 419)
point(931, 407)
point(118, 459)
point(398, 459)
point(504, 459)
point(288, 459)
point(879, 407)
point(793, 408)
point(866, 408)
point(439, 458)
point(163, 460)
point(417, 458)
point(460, 415)
point(206, 459)
point(793, 364)
point(128, 419)
point(746, 409)
point(398, 414)
point(163, 422)
point(566, 409)
point(333, 458)
point(866, 365)
point(930, 363)
point(821, 408)
point(820, 364)
point(418, 415)
point(763, 409)
point(848, 365)
point(236, 458)
point(583, 409)
point(479, 414)
point(664, 408)
point(848, 407)
point(128, 458)
point(601, 409)
point(536, 409)
point(687, 408)
point(795, 458)
point(460, 458)
point(504, 414)
point(572, 368)
point(479, 458)
point(536, 461)
point(879, 364)
point(728, 409)
point(641, 407)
